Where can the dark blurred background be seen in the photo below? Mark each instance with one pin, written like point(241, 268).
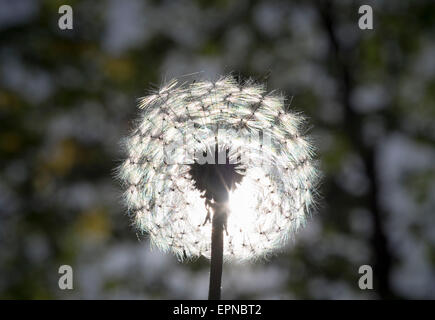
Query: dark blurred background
point(68, 96)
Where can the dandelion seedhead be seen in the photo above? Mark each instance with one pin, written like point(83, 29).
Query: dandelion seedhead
point(203, 146)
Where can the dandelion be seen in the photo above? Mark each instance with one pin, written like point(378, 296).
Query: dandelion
point(218, 169)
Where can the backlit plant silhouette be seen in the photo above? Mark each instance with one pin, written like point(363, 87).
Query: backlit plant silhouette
point(218, 169)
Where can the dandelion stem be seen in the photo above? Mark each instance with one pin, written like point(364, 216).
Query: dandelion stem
point(217, 248)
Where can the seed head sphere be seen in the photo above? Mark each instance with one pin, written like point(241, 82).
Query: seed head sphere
point(185, 127)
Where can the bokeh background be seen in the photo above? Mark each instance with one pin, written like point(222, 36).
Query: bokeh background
point(67, 98)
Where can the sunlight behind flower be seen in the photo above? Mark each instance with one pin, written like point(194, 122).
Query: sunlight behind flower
point(180, 125)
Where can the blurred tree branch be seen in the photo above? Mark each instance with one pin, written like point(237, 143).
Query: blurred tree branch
point(352, 126)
